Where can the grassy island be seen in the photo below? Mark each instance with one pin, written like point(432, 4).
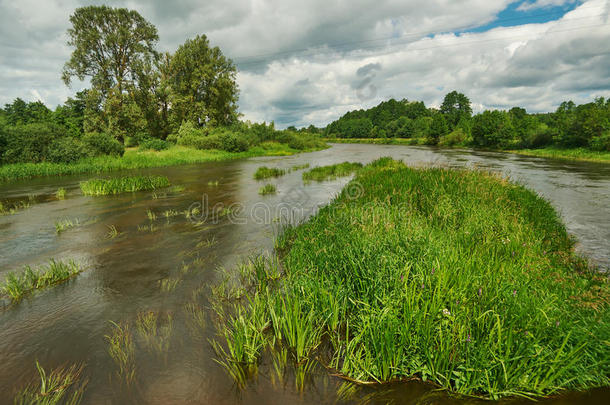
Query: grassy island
point(456, 277)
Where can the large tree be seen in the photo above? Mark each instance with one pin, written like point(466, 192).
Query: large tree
point(108, 43)
point(203, 87)
point(456, 106)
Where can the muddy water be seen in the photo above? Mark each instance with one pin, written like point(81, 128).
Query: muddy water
point(67, 323)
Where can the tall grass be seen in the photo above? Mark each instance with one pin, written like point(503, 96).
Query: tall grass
point(456, 277)
point(121, 349)
point(123, 185)
point(265, 172)
point(331, 172)
point(17, 285)
point(134, 159)
point(62, 386)
point(267, 189)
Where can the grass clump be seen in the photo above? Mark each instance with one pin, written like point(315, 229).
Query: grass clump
point(155, 331)
point(267, 189)
point(17, 285)
point(265, 172)
point(456, 277)
point(66, 224)
point(62, 386)
point(10, 209)
point(60, 194)
point(331, 172)
point(122, 350)
point(123, 185)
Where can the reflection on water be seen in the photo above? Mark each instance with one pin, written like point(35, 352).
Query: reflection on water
point(164, 262)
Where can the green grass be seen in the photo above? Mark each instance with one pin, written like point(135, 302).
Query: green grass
point(299, 167)
point(17, 285)
point(66, 224)
point(119, 185)
point(265, 172)
point(331, 172)
point(11, 209)
point(121, 348)
point(566, 154)
point(136, 159)
point(60, 194)
point(457, 277)
point(267, 189)
point(62, 386)
point(155, 332)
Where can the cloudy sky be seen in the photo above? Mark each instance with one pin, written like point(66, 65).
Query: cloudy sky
point(303, 62)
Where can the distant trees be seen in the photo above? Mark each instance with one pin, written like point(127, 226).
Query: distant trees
point(571, 125)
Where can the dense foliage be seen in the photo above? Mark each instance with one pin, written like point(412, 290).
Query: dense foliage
point(137, 97)
point(570, 126)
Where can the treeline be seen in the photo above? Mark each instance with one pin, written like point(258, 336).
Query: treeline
point(137, 96)
point(570, 126)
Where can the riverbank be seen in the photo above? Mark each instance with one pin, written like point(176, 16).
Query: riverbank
point(137, 159)
point(580, 154)
point(455, 277)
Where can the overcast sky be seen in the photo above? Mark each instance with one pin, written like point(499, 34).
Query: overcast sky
point(303, 62)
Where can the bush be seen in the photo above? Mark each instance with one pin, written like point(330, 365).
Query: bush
point(457, 137)
point(232, 142)
point(601, 143)
point(66, 150)
point(29, 142)
point(154, 144)
point(102, 144)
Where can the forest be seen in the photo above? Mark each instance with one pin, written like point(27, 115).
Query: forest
point(453, 124)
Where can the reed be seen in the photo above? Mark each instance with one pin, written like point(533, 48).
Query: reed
point(456, 277)
point(60, 194)
point(267, 189)
point(97, 187)
point(265, 172)
point(121, 349)
point(331, 172)
point(18, 285)
point(62, 386)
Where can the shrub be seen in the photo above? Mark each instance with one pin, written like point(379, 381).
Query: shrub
point(154, 144)
point(457, 137)
point(601, 143)
point(66, 150)
point(102, 144)
point(232, 142)
point(30, 142)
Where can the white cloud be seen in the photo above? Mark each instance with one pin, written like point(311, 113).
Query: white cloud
point(534, 4)
point(299, 60)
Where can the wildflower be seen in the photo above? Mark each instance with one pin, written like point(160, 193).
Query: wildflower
point(480, 292)
point(468, 338)
point(513, 253)
point(514, 293)
point(446, 312)
point(433, 270)
point(422, 286)
point(557, 323)
point(402, 277)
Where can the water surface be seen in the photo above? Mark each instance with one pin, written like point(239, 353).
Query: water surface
point(68, 323)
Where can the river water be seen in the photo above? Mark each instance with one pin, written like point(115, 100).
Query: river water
point(67, 323)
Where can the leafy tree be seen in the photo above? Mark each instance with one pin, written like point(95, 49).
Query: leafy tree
point(438, 128)
point(455, 107)
point(108, 42)
point(203, 87)
point(492, 129)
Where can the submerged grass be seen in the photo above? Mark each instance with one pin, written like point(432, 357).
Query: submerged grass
point(265, 172)
point(10, 209)
point(155, 331)
point(136, 159)
point(65, 224)
point(123, 185)
point(62, 386)
point(60, 194)
point(331, 172)
point(17, 285)
point(456, 277)
point(267, 189)
point(121, 349)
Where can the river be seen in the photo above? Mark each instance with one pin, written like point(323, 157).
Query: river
point(67, 323)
